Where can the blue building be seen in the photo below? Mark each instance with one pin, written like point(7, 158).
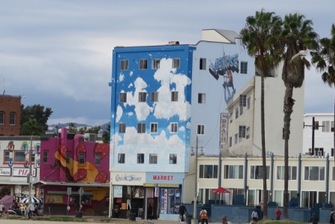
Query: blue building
point(165, 100)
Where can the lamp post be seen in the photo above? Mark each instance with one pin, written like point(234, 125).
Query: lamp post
point(195, 220)
point(30, 167)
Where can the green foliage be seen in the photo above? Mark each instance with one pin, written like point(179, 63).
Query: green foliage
point(106, 135)
point(34, 120)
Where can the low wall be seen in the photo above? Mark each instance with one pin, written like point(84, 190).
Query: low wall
point(242, 214)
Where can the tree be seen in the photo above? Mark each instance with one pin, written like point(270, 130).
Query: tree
point(34, 119)
point(324, 60)
point(297, 36)
point(106, 135)
point(260, 39)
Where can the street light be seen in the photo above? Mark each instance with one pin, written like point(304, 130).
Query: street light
point(195, 220)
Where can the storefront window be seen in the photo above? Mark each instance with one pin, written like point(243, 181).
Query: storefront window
point(170, 200)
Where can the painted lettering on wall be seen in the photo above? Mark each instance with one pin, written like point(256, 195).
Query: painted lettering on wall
point(126, 177)
point(162, 177)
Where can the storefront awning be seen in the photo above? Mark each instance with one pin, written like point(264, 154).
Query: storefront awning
point(72, 184)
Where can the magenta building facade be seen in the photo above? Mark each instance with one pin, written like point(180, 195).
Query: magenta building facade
point(74, 175)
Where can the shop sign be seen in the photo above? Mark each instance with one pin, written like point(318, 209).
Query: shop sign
point(23, 172)
point(128, 178)
point(5, 171)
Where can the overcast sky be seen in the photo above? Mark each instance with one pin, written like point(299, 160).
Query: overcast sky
point(57, 53)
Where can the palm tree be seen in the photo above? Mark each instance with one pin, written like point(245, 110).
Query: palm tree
point(325, 61)
point(259, 38)
point(297, 37)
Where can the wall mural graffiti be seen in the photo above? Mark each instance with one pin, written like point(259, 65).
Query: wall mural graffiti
point(225, 66)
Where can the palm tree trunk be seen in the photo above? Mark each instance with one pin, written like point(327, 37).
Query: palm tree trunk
point(288, 109)
point(265, 191)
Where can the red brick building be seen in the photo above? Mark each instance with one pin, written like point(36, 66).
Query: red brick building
point(10, 115)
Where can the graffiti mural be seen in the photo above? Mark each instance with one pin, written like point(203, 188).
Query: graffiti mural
point(225, 66)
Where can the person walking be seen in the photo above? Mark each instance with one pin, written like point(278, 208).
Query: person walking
point(203, 216)
point(254, 217)
point(278, 213)
point(182, 212)
point(332, 217)
point(149, 212)
point(313, 219)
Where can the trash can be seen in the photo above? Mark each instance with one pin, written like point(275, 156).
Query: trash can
point(132, 216)
point(188, 218)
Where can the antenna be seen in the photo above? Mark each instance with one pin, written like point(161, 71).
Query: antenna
point(4, 86)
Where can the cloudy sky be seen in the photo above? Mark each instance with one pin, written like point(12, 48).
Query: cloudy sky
point(57, 53)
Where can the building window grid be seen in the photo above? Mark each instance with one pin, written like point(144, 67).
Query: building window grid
point(292, 173)
point(154, 127)
point(121, 158)
point(244, 67)
point(122, 128)
point(208, 171)
point(175, 63)
point(201, 129)
point(154, 97)
point(314, 173)
point(143, 64)
point(202, 64)
point(173, 159)
point(142, 97)
point(123, 97)
point(233, 172)
point(97, 158)
point(12, 118)
point(140, 158)
point(82, 157)
point(241, 131)
point(153, 158)
point(256, 172)
point(141, 128)
point(174, 127)
point(156, 63)
point(174, 96)
point(2, 117)
point(124, 65)
point(201, 98)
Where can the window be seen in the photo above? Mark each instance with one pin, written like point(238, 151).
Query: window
point(236, 113)
point(142, 96)
point(97, 158)
point(316, 125)
point(2, 117)
point(241, 131)
point(202, 65)
point(156, 64)
point(121, 157)
point(174, 127)
point(174, 96)
point(241, 111)
point(12, 118)
point(325, 126)
point(143, 64)
point(19, 156)
point(175, 63)
point(140, 158)
point(256, 172)
point(154, 97)
point(6, 156)
point(122, 128)
point(314, 173)
point(292, 173)
point(201, 98)
point(230, 141)
point(124, 64)
point(208, 171)
point(235, 138)
point(45, 156)
point(230, 117)
point(153, 127)
point(123, 97)
point(153, 158)
point(82, 158)
point(243, 100)
point(141, 128)
point(248, 103)
point(244, 67)
point(173, 159)
point(201, 129)
point(233, 172)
